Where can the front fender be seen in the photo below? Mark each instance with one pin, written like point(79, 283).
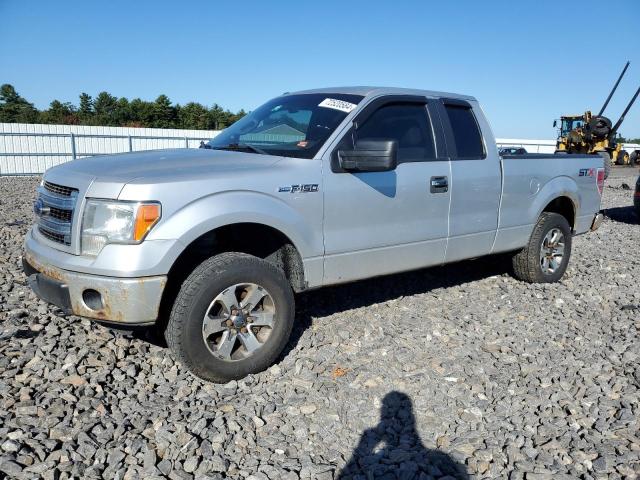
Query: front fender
point(302, 225)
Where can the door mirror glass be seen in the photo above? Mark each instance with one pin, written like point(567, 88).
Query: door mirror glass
point(555, 123)
point(370, 156)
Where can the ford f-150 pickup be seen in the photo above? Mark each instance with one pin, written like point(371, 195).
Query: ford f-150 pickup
point(313, 188)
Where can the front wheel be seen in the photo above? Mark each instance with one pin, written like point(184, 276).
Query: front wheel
point(233, 316)
point(545, 258)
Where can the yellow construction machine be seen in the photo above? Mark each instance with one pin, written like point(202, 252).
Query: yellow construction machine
point(589, 133)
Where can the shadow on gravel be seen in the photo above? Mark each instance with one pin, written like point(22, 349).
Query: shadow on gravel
point(393, 449)
point(336, 299)
point(622, 215)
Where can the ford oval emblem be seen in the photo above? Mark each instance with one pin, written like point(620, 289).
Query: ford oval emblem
point(39, 209)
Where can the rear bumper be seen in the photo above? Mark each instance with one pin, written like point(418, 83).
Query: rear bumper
point(128, 301)
point(597, 221)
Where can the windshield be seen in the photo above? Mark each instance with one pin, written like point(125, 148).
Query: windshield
point(291, 125)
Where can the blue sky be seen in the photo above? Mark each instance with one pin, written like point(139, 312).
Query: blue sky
point(527, 62)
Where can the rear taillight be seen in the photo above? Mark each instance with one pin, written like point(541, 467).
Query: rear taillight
point(600, 180)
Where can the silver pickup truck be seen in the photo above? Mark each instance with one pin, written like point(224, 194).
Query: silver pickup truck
point(313, 188)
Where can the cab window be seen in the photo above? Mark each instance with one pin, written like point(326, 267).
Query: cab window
point(408, 124)
point(466, 133)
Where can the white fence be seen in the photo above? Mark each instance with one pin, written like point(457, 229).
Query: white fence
point(27, 149)
point(546, 146)
point(531, 146)
point(32, 148)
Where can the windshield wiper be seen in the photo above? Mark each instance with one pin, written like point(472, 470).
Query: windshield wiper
point(241, 146)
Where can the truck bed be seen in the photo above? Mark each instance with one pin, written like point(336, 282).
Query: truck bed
point(532, 181)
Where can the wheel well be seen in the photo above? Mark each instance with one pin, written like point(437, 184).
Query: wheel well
point(563, 206)
point(255, 239)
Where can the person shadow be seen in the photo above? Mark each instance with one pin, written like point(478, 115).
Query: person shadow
point(393, 449)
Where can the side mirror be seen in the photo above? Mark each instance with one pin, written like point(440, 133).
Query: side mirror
point(370, 156)
point(555, 123)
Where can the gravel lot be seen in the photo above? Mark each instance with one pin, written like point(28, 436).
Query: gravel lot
point(457, 372)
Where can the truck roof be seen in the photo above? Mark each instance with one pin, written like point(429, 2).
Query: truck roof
point(367, 91)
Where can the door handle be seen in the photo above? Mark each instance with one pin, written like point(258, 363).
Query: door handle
point(439, 184)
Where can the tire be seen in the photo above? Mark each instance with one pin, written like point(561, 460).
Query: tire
point(207, 292)
point(622, 158)
point(528, 263)
point(633, 158)
point(606, 158)
point(600, 127)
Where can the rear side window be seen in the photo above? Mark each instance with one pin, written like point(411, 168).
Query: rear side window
point(466, 133)
point(408, 124)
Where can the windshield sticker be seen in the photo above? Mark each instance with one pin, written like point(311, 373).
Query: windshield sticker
point(341, 105)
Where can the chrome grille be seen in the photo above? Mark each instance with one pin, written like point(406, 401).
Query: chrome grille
point(54, 208)
point(54, 237)
point(59, 214)
point(59, 189)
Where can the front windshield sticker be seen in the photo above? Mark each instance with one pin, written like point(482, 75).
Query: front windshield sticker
point(337, 105)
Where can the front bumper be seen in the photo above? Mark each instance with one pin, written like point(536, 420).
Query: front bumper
point(130, 301)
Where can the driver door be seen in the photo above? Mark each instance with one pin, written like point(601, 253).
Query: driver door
point(383, 222)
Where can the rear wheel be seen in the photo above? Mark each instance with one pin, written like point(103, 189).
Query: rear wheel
point(232, 317)
point(623, 158)
point(545, 258)
point(606, 158)
point(633, 158)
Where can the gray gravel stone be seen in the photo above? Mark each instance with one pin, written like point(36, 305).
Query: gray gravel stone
point(499, 379)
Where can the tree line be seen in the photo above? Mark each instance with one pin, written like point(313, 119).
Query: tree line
point(108, 110)
point(628, 140)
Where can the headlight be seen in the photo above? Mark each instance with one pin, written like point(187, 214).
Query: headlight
point(109, 221)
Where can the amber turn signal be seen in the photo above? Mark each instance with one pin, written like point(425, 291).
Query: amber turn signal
point(146, 217)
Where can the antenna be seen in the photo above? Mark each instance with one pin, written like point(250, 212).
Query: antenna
point(606, 102)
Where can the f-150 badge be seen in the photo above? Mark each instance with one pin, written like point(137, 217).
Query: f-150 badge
point(306, 188)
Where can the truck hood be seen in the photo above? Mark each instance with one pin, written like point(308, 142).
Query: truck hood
point(105, 176)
